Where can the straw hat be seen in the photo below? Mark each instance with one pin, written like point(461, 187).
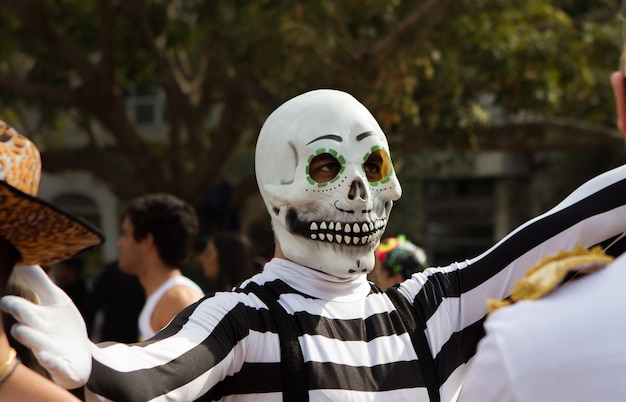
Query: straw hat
point(41, 232)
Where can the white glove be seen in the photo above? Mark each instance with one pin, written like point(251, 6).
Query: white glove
point(53, 329)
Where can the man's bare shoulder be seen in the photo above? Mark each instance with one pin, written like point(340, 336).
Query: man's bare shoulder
point(180, 295)
point(172, 302)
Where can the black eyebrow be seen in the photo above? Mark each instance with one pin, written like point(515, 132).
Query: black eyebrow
point(338, 138)
point(364, 135)
point(327, 137)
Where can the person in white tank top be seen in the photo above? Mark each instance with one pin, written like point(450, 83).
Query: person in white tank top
point(146, 330)
point(158, 231)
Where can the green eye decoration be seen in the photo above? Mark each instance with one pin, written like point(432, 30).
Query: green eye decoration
point(325, 166)
point(377, 166)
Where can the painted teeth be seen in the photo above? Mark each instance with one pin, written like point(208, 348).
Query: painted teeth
point(346, 233)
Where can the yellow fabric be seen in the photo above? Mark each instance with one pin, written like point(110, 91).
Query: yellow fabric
point(551, 272)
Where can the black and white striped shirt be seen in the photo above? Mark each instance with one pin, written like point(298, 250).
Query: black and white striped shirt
point(225, 347)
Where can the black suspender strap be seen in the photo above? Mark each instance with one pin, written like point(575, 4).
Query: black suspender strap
point(420, 343)
point(293, 370)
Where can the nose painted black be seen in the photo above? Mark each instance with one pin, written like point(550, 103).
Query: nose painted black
point(357, 190)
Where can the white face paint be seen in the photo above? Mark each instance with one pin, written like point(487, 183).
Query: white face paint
point(324, 170)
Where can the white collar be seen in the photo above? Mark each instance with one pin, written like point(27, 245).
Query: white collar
point(315, 283)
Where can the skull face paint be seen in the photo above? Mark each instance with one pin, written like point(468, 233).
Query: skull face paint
point(325, 173)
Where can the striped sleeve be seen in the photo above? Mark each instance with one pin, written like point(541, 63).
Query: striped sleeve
point(451, 300)
point(203, 345)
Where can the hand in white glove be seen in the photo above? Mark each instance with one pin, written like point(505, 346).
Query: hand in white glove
point(53, 329)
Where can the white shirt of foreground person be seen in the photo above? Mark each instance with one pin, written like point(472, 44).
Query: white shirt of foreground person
point(567, 346)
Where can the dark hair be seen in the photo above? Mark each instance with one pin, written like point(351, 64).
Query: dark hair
point(12, 285)
point(172, 222)
point(15, 286)
point(236, 258)
point(10, 257)
point(397, 255)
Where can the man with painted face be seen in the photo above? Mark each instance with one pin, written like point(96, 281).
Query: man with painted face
point(330, 195)
point(324, 169)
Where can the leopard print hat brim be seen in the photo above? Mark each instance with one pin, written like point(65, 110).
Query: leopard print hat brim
point(41, 232)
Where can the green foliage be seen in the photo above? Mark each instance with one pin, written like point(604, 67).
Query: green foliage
point(442, 78)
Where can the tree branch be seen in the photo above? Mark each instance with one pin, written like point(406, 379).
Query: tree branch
point(33, 14)
point(173, 81)
point(105, 164)
point(227, 136)
point(57, 96)
point(526, 136)
point(563, 125)
point(428, 13)
point(108, 21)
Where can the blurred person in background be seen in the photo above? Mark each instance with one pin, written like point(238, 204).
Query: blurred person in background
point(68, 275)
point(113, 306)
point(396, 260)
point(158, 231)
point(227, 259)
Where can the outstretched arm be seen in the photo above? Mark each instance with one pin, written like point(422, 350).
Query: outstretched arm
point(451, 300)
point(490, 360)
